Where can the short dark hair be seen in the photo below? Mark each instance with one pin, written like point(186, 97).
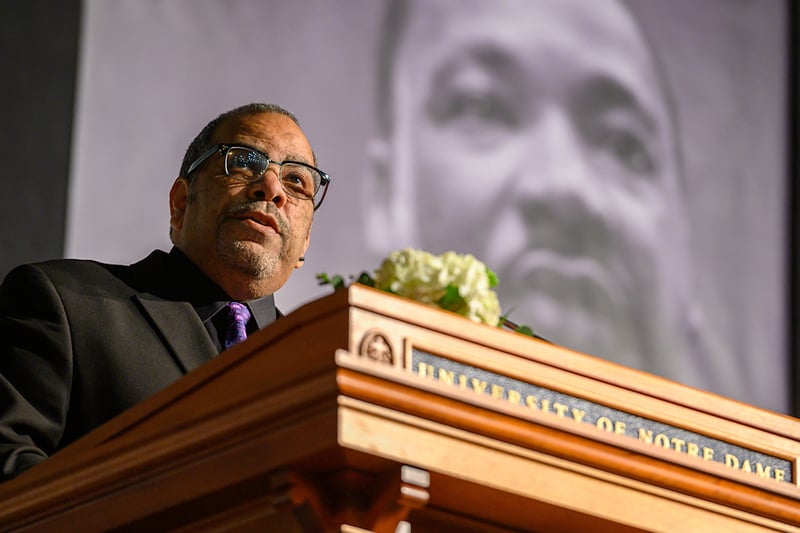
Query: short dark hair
point(202, 142)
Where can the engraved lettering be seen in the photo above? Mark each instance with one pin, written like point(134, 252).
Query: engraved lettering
point(692, 449)
point(497, 391)
point(605, 418)
point(425, 370)
point(532, 402)
point(678, 444)
point(662, 440)
point(605, 424)
point(763, 471)
point(545, 405)
point(478, 385)
point(447, 376)
point(561, 409)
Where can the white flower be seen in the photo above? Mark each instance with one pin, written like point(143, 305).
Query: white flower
point(459, 283)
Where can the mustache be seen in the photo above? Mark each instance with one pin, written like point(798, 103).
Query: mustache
point(266, 208)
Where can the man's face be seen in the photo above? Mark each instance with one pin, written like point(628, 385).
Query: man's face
point(534, 135)
point(247, 238)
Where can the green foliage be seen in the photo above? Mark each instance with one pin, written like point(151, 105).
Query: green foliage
point(451, 300)
point(525, 330)
point(493, 279)
point(504, 322)
point(337, 281)
point(365, 279)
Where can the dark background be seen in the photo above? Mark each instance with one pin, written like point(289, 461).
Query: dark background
point(39, 58)
point(793, 128)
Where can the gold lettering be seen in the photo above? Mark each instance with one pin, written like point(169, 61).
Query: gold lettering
point(619, 428)
point(780, 475)
point(708, 453)
point(561, 409)
point(531, 402)
point(478, 385)
point(678, 444)
point(462, 381)
point(746, 466)
point(662, 440)
point(605, 424)
point(497, 392)
point(646, 435)
point(763, 471)
point(425, 370)
point(514, 396)
point(692, 449)
point(447, 376)
point(578, 414)
point(545, 405)
point(731, 460)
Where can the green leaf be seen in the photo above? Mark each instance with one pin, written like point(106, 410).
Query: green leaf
point(365, 279)
point(493, 279)
point(525, 330)
point(451, 300)
point(504, 322)
point(337, 281)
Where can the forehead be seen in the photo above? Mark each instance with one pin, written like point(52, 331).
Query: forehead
point(553, 43)
point(273, 133)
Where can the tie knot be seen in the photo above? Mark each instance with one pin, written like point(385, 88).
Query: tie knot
point(238, 316)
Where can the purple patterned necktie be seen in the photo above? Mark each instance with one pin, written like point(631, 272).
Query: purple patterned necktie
point(238, 315)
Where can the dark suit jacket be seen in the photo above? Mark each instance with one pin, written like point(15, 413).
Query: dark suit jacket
point(82, 341)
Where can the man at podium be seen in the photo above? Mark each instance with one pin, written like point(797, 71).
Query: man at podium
point(81, 341)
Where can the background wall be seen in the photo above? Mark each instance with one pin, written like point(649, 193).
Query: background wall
point(39, 43)
point(153, 72)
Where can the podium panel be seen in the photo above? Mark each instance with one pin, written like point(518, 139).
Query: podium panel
point(363, 411)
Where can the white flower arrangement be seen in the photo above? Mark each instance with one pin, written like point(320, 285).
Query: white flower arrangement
point(458, 283)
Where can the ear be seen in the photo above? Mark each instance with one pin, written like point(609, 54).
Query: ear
point(301, 262)
point(178, 197)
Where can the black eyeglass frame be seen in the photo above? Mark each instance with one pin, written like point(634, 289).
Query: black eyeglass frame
point(223, 150)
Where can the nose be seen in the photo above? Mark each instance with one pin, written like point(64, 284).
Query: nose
point(558, 163)
point(268, 187)
point(559, 194)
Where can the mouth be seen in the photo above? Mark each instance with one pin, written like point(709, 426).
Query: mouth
point(581, 280)
point(260, 219)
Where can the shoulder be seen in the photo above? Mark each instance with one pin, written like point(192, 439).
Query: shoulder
point(79, 274)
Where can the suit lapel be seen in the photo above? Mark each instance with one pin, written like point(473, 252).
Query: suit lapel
point(181, 328)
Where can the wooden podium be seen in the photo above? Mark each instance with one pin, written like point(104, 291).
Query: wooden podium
point(366, 412)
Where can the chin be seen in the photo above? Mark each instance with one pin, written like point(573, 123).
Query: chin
point(248, 258)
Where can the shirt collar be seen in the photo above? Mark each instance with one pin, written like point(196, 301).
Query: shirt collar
point(192, 285)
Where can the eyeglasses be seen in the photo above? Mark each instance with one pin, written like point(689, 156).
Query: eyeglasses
point(299, 180)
